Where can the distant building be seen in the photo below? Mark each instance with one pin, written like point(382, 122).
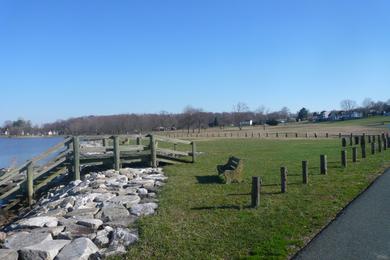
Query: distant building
point(246, 123)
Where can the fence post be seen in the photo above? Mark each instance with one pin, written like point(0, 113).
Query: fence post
point(344, 142)
point(256, 186)
point(283, 179)
point(351, 140)
point(153, 152)
point(305, 172)
point(356, 140)
point(117, 152)
point(373, 148)
point(193, 152)
point(364, 155)
point(354, 154)
point(344, 158)
point(30, 183)
point(76, 158)
point(175, 146)
point(327, 135)
point(138, 140)
point(339, 135)
point(379, 144)
point(105, 144)
point(307, 135)
point(296, 135)
point(369, 139)
point(323, 164)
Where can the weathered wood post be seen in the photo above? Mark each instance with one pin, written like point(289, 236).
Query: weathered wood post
point(76, 158)
point(307, 135)
point(117, 152)
point(105, 142)
point(344, 142)
point(379, 144)
point(153, 152)
point(373, 139)
point(354, 154)
point(327, 135)
point(323, 164)
point(266, 134)
point(296, 135)
point(256, 186)
point(339, 135)
point(30, 183)
point(351, 140)
point(193, 152)
point(364, 154)
point(305, 172)
point(369, 139)
point(356, 140)
point(315, 135)
point(283, 179)
point(344, 158)
point(388, 140)
point(286, 135)
point(277, 134)
point(373, 148)
point(138, 140)
point(175, 146)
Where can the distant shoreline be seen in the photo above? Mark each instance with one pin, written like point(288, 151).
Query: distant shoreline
point(31, 136)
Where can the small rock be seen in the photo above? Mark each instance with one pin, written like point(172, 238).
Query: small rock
point(80, 249)
point(86, 213)
point(45, 250)
point(102, 238)
point(142, 191)
point(91, 223)
point(54, 231)
point(3, 236)
point(112, 212)
point(144, 209)
point(8, 254)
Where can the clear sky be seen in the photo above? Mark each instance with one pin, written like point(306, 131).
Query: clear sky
point(66, 58)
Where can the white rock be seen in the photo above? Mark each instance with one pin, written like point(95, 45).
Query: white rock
point(36, 222)
point(91, 223)
point(46, 250)
point(144, 209)
point(143, 191)
point(24, 239)
point(78, 249)
point(8, 254)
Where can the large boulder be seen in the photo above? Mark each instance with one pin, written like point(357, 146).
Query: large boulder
point(112, 212)
point(8, 254)
point(46, 250)
point(78, 249)
point(20, 240)
point(91, 223)
point(37, 222)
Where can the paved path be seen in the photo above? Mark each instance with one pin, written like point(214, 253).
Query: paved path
point(362, 231)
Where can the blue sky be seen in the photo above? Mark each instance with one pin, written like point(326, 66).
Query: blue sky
point(65, 58)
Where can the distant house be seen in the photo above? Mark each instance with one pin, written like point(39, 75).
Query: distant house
point(353, 115)
point(335, 115)
point(246, 123)
point(324, 116)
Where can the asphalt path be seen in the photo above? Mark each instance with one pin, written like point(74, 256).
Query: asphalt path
point(361, 231)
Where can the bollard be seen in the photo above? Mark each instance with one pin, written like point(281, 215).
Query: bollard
point(354, 154)
point(256, 186)
point(364, 155)
point(344, 158)
point(283, 179)
point(305, 172)
point(323, 164)
point(373, 148)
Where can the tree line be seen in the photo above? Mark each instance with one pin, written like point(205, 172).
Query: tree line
point(190, 119)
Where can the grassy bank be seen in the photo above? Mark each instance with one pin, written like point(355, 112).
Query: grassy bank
point(199, 218)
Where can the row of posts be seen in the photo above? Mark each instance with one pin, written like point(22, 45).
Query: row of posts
point(256, 181)
point(247, 135)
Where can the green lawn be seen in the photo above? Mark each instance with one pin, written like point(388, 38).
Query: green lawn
point(369, 121)
point(200, 218)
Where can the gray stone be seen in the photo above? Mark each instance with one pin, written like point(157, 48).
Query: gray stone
point(74, 230)
point(20, 240)
point(36, 222)
point(3, 236)
point(127, 201)
point(144, 209)
point(54, 213)
point(143, 182)
point(78, 249)
point(122, 238)
point(91, 223)
point(8, 254)
point(102, 238)
point(54, 231)
point(46, 250)
point(86, 213)
point(142, 191)
point(112, 212)
point(104, 197)
point(122, 222)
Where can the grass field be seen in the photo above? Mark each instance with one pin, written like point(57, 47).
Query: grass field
point(200, 218)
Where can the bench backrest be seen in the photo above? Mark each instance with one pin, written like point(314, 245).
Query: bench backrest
point(233, 161)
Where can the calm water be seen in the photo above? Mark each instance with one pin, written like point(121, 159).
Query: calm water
point(15, 151)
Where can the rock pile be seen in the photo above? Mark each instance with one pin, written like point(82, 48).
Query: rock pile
point(87, 219)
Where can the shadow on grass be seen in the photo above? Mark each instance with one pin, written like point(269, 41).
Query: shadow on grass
point(239, 194)
point(218, 207)
point(208, 179)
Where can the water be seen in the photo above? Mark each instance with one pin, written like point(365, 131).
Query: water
point(15, 151)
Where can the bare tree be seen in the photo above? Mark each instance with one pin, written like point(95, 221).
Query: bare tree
point(348, 104)
point(367, 103)
point(239, 113)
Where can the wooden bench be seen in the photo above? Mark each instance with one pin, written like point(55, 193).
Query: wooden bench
point(232, 170)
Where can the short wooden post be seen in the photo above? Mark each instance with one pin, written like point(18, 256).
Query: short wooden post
point(105, 143)
point(339, 135)
point(373, 139)
point(175, 146)
point(138, 140)
point(256, 192)
point(323, 164)
point(327, 135)
point(76, 158)
point(153, 152)
point(379, 145)
point(344, 142)
point(277, 134)
point(117, 159)
point(369, 139)
point(385, 143)
point(286, 135)
point(266, 134)
point(364, 154)
point(305, 172)
point(388, 140)
point(315, 135)
point(283, 179)
point(356, 140)
point(344, 158)
point(307, 135)
point(373, 148)
point(350, 140)
point(193, 152)
point(354, 154)
point(30, 183)
point(296, 135)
